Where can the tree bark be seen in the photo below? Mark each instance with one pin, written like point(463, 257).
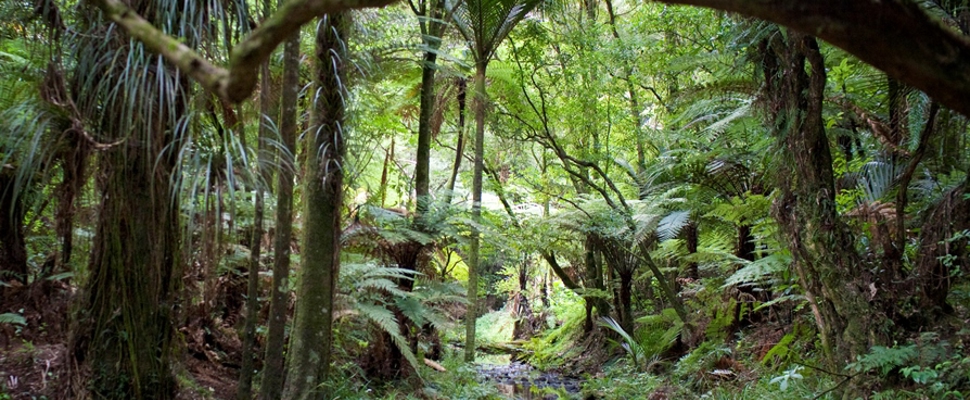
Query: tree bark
point(121, 343)
point(828, 268)
point(474, 257)
point(13, 247)
point(431, 30)
point(459, 142)
point(244, 389)
point(311, 340)
point(271, 386)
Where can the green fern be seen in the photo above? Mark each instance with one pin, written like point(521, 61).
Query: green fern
point(13, 319)
point(375, 295)
point(656, 334)
point(384, 319)
point(760, 270)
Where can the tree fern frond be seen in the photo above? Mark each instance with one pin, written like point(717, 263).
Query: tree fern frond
point(760, 270)
point(412, 308)
point(384, 319)
point(670, 226)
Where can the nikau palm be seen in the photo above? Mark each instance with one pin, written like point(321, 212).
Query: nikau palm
point(484, 24)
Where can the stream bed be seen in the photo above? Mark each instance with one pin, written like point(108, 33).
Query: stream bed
point(523, 382)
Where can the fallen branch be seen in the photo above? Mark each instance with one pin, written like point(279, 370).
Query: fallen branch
point(435, 366)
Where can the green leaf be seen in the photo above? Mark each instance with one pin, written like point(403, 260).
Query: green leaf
point(12, 318)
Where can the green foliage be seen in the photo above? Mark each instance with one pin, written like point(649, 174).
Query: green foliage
point(761, 270)
point(374, 292)
point(656, 334)
point(933, 367)
point(693, 368)
point(460, 382)
point(495, 327)
point(785, 379)
point(13, 319)
point(555, 346)
point(781, 352)
point(621, 381)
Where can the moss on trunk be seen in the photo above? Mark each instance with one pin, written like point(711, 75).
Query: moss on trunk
point(310, 343)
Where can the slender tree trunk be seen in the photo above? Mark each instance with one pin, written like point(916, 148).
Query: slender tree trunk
point(244, 389)
point(632, 95)
point(692, 240)
point(271, 386)
point(595, 273)
point(310, 344)
point(459, 142)
point(474, 257)
point(626, 299)
point(75, 164)
point(431, 32)
point(388, 158)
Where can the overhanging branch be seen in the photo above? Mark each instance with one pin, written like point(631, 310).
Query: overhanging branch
point(236, 83)
point(895, 36)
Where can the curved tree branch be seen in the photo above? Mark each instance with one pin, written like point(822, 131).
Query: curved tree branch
point(895, 36)
point(235, 83)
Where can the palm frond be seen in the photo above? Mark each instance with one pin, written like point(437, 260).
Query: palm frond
point(486, 23)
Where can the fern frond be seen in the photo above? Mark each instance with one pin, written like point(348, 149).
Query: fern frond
point(385, 321)
point(670, 226)
point(759, 270)
point(13, 319)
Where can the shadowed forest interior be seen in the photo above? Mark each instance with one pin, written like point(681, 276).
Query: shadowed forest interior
point(484, 199)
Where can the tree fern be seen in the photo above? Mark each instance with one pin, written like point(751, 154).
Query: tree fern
point(670, 226)
point(760, 270)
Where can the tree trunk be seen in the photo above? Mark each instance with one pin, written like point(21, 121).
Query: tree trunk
point(311, 340)
point(459, 142)
point(692, 239)
point(626, 299)
point(121, 343)
point(244, 389)
point(431, 30)
point(595, 273)
point(828, 268)
point(13, 247)
point(474, 257)
point(124, 334)
point(271, 386)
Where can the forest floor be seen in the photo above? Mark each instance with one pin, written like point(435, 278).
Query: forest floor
point(34, 356)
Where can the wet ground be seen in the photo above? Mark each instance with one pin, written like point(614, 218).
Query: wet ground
point(522, 382)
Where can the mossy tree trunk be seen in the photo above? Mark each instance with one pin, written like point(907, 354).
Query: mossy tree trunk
point(311, 340)
point(474, 257)
point(123, 338)
point(829, 270)
point(271, 387)
point(121, 344)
